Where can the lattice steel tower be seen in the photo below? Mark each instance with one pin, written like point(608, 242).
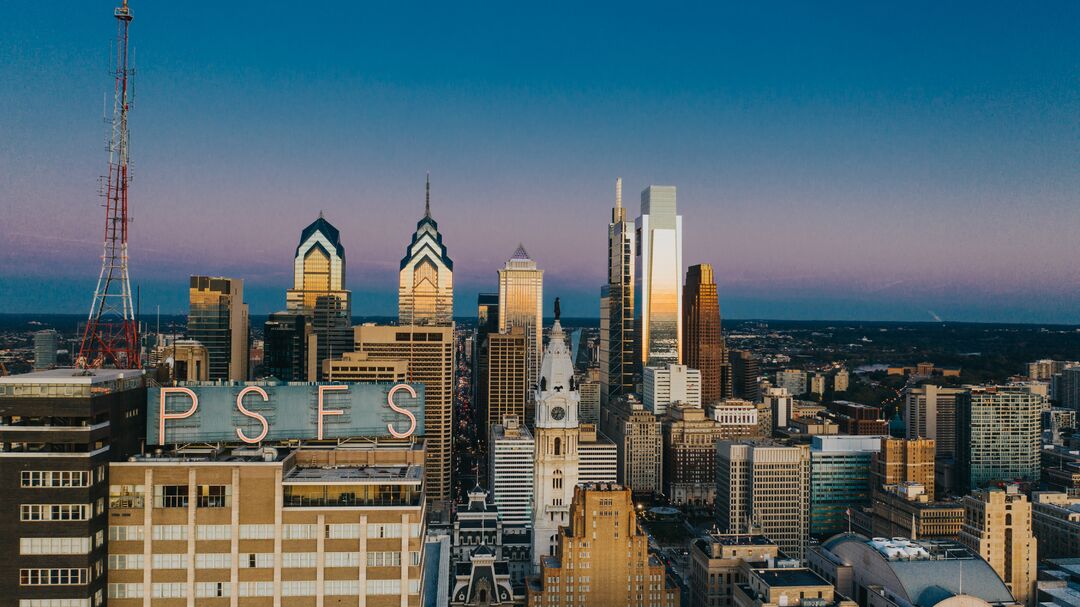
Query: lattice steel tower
point(110, 337)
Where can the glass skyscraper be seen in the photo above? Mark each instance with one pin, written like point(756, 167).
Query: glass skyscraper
point(521, 293)
point(703, 342)
point(659, 277)
point(618, 365)
point(426, 277)
point(218, 319)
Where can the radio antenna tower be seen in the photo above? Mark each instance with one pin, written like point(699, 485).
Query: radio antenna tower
point(111, 336)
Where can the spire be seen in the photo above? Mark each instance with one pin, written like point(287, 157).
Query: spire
point(427, 196)
point(520, 253)
point(618, 192)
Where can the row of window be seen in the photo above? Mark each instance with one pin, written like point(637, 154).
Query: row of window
point(54, 512)
point(263, 560)
point(288, 532)
point(55, 478)
point(169, 590)
point(54, 545)
point(58, 576)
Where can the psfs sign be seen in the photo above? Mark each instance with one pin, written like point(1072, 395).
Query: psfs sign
point(256, 413)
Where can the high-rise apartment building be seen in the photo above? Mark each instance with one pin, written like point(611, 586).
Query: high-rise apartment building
point(745, 370)
point(521, 304)
point(618, 363)
point(507, 375)
point(841, 381)
point(719, 561)
point(319, 291)
point(703, 341)
point(601, 556)
point(765, 485)
point(998, 435)
point(669, 384)
point(218, 319)
point(639, 441)
point(690, 455)
point(794, 380)
point(429, 352)
point(287, 355)
point(658, 273)
point(839, 480)
point(266, 527)
point(997, 526)
point(817, 384)
point(510, 468)
point(426, 276)
point(900, 461)
point(46, 344)
point(60, 429)
point(1045, 369)
point(930, 412)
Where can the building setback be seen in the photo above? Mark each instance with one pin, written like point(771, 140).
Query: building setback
point(618, 364)
point(426, 275)
point(59, 430)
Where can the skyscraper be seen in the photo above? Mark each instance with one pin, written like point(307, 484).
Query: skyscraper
point(703, 343)
point(669, 384)
point(638, 437)
point(745, 370)
point(218, 319)
point(997, 526)
point(839, 480)
point(998, 435)
point(506, 376)
point(426, 278)
point(46, 343)
point(521, 292)
point(487, 322)
point(510, 469)
point(904, 461)
point(618, 365)
point(930, 412)
point(658, 290)
point(286, 336)
point(319, 289)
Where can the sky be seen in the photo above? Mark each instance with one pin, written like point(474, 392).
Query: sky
point(834, 160)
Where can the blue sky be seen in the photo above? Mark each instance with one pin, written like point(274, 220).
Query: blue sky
point(834, 160)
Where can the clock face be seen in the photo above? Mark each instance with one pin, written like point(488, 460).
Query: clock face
point(557, 413)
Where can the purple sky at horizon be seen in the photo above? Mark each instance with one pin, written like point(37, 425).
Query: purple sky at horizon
point(878, 163)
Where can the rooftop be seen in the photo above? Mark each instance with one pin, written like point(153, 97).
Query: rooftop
point(70, 376)
point(355, 475)
point(794, 576)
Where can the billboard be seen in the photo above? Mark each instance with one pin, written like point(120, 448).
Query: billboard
point(251, 413)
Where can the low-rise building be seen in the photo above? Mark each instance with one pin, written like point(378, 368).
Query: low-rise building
point(1056, 523)
point(788, 586)
point(718, 561)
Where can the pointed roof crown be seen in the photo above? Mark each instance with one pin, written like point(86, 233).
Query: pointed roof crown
point(520, 253)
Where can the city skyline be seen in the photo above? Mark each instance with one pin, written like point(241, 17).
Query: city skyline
point(869, 166)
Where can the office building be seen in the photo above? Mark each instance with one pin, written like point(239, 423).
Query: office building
point(521, 304)
point(1061, 468)
point(185, 359)
point(787, 585)
point(601, 556)
point(793, 380)
point(639, 442)
point(767, 485)
point(510, 468)
point(268, 527)
point(669, 384)
point(745, 371)
point(658, 270)
point(690, 455)
point(426, 275)
point(1068, 390)
point(429, 352)
point(997, 527)
point(598, 457)
point(218, 319)
point(998, 435)
point(899, 572)
point(618, 362)
point(781, 405)
point(289, 347)
point(319, 291)
point(703, 342)
point(1055, 521)
point(719, 561)
point(507, 375)
point(59, 431)
point(487, 322)
point(900, 461)
point(359, 367)
point(895, 508)
point(840, 381)
point(741, 418)
point(839, 480)
point(930, 412)
point(859, 419)
point(591, 389)
point(46, 344)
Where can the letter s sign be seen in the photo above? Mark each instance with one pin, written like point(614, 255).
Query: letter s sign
point(405, 412)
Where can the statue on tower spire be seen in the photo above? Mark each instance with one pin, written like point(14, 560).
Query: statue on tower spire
point(558, 310)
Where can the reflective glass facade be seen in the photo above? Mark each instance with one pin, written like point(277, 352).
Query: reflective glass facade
point(658, 232)
point(218, 319)
point(426, 277)
point(618, 364)
point(521, 297)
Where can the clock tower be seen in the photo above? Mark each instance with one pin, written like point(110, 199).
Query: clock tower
point(556, 457)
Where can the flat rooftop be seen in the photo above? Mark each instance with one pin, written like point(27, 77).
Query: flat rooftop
point(355, 475)
point(795, 576)
point(740, 539)
point(71, 376)
point(920, 550)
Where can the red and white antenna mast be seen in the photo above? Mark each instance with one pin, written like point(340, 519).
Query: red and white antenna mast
point(111, 336)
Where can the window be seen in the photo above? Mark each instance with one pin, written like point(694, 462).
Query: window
point(170, 532)
point(54, 512)
point(256, 532)
point(53, 577)
point(341, 587)
point(125, 561)
point(342, 559)
point(126, 591)
point(414, 558)
point(255, 589)
point(298, 559)
point(343, 531)
point(211, 589)
point(414, 586)
point(54, 602)
point(170, 590)
point(256, 560)
point(214, 496)
point(299, 532)
point(120, 533)
point(55, 478)
point(126, 496)
point(384, 559)
point(298, 588)
point(170, 561)
point(389, 530)
point(170, 496)
point(213, 561)
point(384, 586)
point(213, 532)
point(54, 545)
